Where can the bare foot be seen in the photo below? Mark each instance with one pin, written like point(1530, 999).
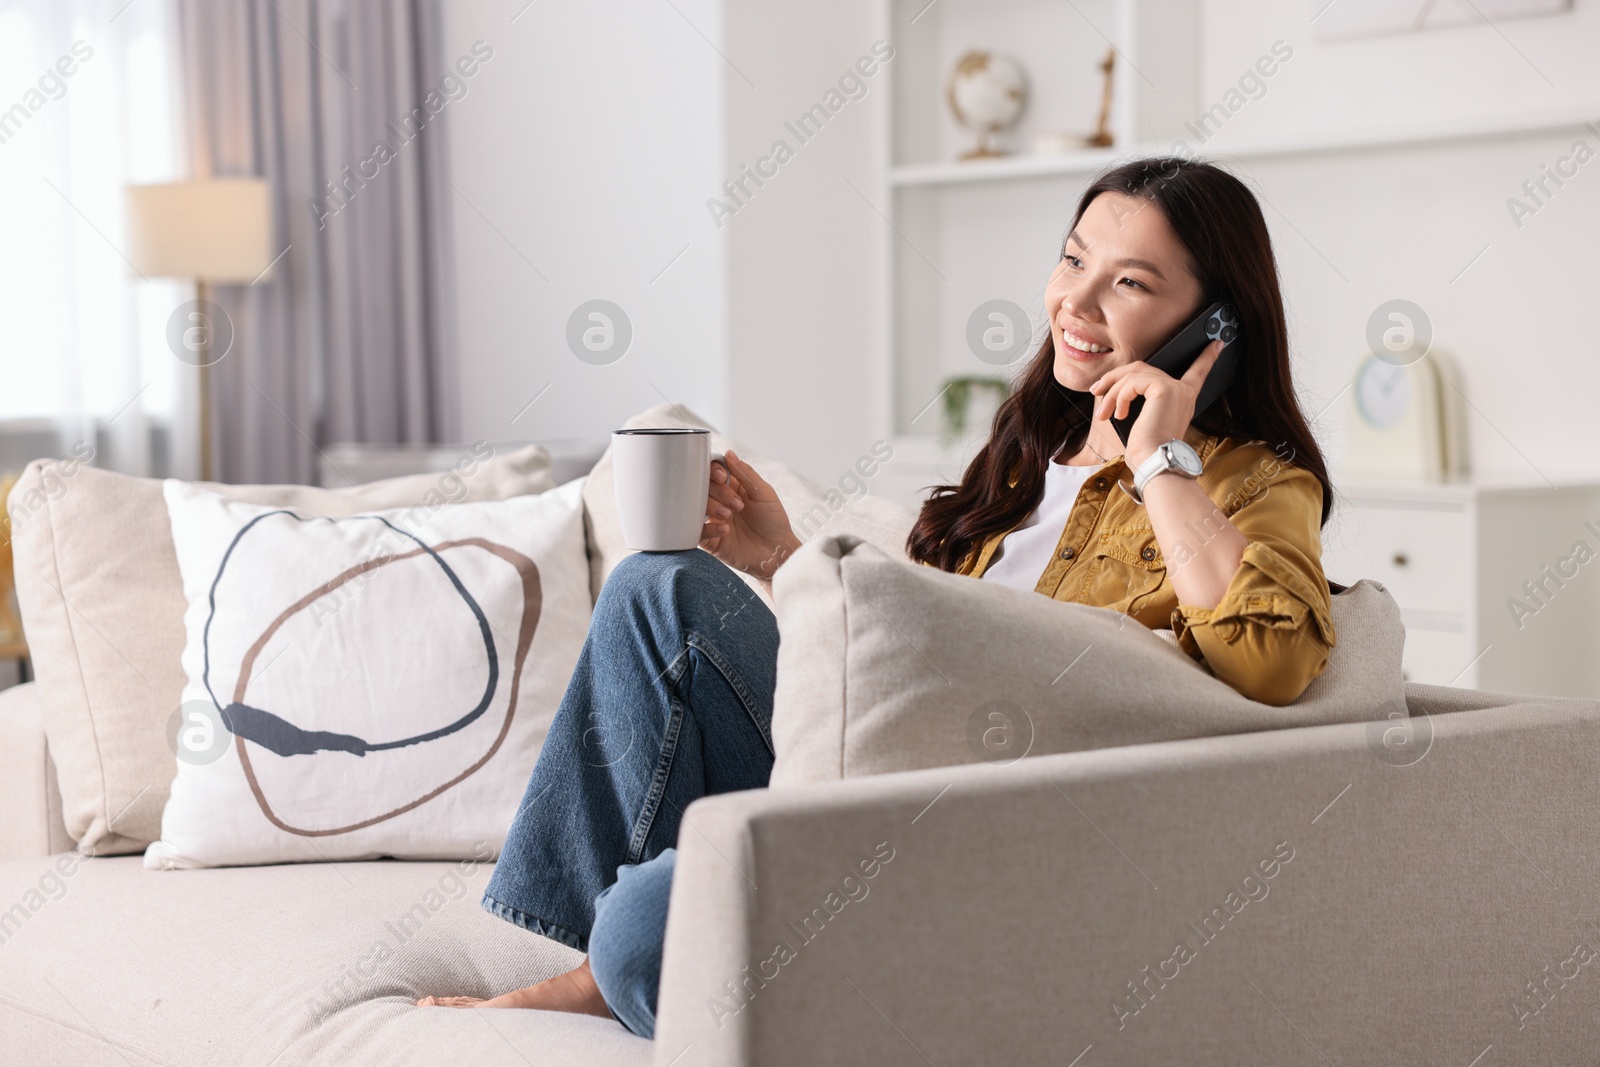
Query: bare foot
point(574, 991)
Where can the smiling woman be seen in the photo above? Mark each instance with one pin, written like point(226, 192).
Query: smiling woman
point(1226, 552)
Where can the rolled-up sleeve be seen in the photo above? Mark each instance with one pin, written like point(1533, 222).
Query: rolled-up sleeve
point(1271, 632)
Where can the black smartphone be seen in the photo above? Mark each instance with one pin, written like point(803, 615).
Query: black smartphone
point(1219, 321)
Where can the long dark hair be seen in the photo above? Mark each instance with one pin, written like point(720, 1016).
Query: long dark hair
point(1218, 220)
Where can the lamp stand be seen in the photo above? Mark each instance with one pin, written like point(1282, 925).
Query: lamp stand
point(201, 293)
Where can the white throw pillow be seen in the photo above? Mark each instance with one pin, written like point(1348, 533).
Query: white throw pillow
point(369, 685)
point(885, 665)
point(102, 604)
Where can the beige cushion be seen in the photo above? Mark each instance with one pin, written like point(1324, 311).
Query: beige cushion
point(290, 964)
point(888, 666)
point(102, 604)
point(814, 508)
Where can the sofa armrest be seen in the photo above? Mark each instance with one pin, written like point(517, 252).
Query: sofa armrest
point(1259, 898)
point(31, 823)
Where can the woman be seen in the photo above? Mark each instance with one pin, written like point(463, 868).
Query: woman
point(671, 698)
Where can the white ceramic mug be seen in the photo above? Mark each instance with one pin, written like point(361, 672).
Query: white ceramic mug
point(663, 482)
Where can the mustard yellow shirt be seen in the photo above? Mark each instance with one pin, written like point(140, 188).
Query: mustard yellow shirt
point(1271, 632)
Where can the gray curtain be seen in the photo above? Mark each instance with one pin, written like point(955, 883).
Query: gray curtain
point(351, 340)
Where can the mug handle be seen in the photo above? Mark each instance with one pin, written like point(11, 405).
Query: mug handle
point(718, 457)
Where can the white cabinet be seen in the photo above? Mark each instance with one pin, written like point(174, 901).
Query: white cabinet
point(1498, 582)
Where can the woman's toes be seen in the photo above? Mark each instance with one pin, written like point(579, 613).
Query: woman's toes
point(449, 1002)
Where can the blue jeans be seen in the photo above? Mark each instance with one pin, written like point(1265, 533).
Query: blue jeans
point(671, 700)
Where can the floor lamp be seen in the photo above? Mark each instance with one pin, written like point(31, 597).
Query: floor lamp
point(216, 232)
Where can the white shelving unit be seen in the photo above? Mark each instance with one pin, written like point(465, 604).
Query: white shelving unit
point(963, 233)
point(966, 233)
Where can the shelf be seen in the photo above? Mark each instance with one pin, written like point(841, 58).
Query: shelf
point(1002, 169)
point(1012, 168)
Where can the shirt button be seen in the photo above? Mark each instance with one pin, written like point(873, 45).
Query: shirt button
point(1148, 553)
point(1067, 553)
point(1100, 484)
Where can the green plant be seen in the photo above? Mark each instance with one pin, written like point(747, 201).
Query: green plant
point(958, 397)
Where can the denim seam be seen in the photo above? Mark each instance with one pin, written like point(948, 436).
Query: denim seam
point(534, 924)
point(735, 682)
point(658, 780)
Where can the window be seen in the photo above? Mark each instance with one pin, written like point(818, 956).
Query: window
point(89, 103)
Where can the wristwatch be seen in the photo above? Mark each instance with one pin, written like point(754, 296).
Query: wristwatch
point(1174, 455)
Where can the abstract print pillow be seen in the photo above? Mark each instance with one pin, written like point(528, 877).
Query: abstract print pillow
point(366, 686)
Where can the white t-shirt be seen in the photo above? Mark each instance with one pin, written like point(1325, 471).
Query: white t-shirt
point(1021, 558)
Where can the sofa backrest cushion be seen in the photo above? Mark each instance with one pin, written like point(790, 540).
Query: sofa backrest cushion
point(814, 508)
point(889, 666)
point(102, 608)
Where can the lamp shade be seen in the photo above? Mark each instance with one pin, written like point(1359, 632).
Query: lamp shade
point(217, 230)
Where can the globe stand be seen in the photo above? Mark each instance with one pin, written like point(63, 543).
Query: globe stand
point(985, 148)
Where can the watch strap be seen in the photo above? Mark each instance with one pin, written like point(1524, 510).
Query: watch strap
point(1159, 462)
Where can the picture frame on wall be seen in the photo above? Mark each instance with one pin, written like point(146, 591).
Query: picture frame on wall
point(1339, 19)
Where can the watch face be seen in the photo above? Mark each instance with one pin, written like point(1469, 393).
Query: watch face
point(1187, 459)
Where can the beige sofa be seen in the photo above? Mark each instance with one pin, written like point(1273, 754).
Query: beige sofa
point(1437, 912)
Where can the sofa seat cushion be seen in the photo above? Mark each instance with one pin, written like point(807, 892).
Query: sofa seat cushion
point(109, 963)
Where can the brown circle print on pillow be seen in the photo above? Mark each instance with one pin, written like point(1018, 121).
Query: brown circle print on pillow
point(285, 739)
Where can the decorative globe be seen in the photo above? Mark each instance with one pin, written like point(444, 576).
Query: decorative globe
point(987, 94)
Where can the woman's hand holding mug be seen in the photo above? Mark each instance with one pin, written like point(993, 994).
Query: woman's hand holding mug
point(746, 525)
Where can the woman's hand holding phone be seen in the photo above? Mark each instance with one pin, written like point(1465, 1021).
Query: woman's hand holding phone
point(746, 524)
point(1169, 403)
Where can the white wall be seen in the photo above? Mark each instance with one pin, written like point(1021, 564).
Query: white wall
point(1354, 229)
point(587, 143)
point(802, 252)
point(1513, 67)
point(592, 141)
